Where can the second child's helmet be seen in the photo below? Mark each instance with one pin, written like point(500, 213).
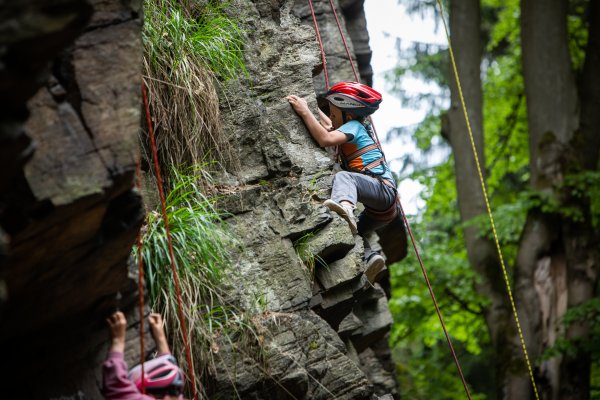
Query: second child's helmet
point(159, 373)
point(355, 98)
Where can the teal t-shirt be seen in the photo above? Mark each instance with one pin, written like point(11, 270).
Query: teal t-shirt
point(358, 138)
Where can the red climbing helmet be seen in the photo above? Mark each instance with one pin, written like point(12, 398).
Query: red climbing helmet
point(354, 97)
point(160, 373)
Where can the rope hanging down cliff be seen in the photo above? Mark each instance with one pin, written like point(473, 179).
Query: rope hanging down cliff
point(161, 194)
point(423, 270)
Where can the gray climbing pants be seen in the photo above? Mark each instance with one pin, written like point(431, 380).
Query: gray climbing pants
point(356, 187)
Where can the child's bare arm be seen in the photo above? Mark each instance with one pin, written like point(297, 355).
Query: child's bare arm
point(117, 324)
point(325, 121)
point(157, 327)
point(324, 137)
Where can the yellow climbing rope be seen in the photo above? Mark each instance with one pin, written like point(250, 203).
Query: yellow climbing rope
point(487, 203)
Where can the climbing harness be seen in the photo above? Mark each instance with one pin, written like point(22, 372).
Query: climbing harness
point(376, 140)
point(487, 203)
point(161, 194)
point(347, 162)
point(353, 156)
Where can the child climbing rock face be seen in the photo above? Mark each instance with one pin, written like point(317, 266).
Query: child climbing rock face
point(365, 178)
point(162, 377)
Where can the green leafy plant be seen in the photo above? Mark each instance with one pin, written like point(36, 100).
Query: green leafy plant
point(199, 240)
point(306, 254)
point(188, 47)
point(587, 313)
point(201, 245)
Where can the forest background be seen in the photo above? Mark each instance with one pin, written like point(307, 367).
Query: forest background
point(529, 76)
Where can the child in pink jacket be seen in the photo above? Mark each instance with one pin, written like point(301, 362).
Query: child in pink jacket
point(162, 379)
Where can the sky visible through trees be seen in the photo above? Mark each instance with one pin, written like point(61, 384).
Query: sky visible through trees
point(391, 27)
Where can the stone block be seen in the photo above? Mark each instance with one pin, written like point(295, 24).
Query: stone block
point(373, 312)
point(306, 360)
point(65, 166)
point(336, 304)
point(350, 324)
point(343, 270)
point(333, 242)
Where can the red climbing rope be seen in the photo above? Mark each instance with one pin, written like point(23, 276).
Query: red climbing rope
point(337, 20)
point(314, 17)
point(138, 184)
point(437, 308)
point(161, 193)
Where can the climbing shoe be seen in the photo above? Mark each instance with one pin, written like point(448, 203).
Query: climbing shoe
point(343, 211)
point(375, 264)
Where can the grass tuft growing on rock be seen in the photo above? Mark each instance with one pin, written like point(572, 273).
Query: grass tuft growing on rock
point(201, 244)
point(306, 254)
point(188, 47)
point(199, 239)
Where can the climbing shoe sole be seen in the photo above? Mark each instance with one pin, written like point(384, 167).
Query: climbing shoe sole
point(344, 212)
point(374, 266)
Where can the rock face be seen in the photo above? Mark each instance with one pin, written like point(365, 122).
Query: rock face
point(70, 79)
point(300, 260)
point(69, 214)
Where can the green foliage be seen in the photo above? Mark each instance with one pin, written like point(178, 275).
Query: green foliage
point(430, 374)
point(586, 185)
point(587, 314)
point(200, 243)
point(416, 165)
point(504, 25)
point(595, 380)
point(577, 32)
point(425, 369)
point(505, 121)
point(188, 47)
point(306, 254)
point(427, 133)
point(510, 216)
point(201, 246)
point(176, 34)
point(424, 363)
point(425, 366)
point(426, 62)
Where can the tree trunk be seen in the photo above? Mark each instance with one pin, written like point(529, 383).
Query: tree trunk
point(562, 244)
point(552, 117)
point(588, 145)
point(580, 243)
point(549, 88)
point(467, 46)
